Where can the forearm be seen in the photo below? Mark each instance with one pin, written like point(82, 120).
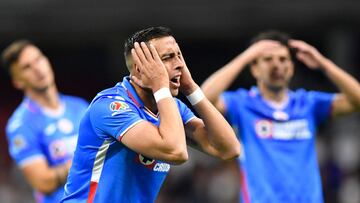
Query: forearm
point(171, 127)
point(218, 133)
point(222, 79)
point(48, 179)
point(346, 83)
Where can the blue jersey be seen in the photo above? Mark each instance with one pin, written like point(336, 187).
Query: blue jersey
point(104, 169)
point(36, 133)
point(279, 163)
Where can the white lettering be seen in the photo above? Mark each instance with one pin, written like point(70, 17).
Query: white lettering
point(297, 129)
point(162, 167)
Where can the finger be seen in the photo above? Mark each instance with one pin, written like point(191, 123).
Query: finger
point(154, 53)
point(298, 44)
point(146, 51)
point(140, 53)
point(136, 58)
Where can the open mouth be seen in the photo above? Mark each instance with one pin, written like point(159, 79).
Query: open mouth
point(175, 81)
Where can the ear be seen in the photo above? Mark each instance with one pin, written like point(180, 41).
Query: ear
point(18, 84)
point(136, 68)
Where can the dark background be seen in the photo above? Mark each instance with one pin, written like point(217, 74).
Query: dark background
point(84, 42)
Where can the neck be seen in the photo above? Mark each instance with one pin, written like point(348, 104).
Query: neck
point(146, 97)
point(277, 95)
point(48, 98)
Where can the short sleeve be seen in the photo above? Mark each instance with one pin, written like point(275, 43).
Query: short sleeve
point(24, 146)
point(232, 101)
point(321, 105)
point(111, 117)
point(185, 112)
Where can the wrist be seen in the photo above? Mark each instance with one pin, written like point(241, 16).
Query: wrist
point(162, 93)
point(196, 96)
point(189, 88)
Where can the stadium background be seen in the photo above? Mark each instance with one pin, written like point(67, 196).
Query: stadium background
point(84, 41)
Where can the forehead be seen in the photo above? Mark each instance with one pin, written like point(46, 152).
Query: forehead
point(276, 51)
point(28, 53)
point(165, 44)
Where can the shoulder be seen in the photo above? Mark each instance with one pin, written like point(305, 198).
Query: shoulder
point(112, 101)
point(20, 121)
point(310, 94)
point(22, 114)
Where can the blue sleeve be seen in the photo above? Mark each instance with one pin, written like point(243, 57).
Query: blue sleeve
point(232, 101)
point(112, 117)
point(23, 142)
point(185, 112)
point(321, 105)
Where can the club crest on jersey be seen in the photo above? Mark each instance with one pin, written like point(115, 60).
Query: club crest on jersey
point(118, 106)
point(57, 149)
point(152, 164)
point(263, 128)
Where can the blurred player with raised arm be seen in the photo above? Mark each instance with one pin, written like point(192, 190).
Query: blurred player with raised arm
point(277, 125)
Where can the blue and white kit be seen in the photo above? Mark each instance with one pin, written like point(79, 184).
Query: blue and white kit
point(279, 162)
point(104, 169)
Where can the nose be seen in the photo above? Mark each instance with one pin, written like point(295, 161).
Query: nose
point(179, 63)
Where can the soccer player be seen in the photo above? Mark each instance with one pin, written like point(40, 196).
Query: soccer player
point(132, 132)
point(277, 126)
point(42, 132)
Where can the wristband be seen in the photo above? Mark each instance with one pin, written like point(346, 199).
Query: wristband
point(195, 97)
point(162, 93)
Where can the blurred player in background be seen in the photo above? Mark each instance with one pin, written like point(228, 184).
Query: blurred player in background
point(42, 132)
point(133, 132)
point(277, 126)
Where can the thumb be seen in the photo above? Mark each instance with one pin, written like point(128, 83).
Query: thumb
point(137, 81)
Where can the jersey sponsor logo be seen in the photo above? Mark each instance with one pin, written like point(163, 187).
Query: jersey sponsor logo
point(152, 164)
point(296, 129)
point(118, 107)
point(65, 125)
point(162, 167)
point(19, 143)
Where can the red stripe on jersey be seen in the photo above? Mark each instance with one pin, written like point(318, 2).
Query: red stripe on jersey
point(93, 187)
point(244, 188)
point(132, 98)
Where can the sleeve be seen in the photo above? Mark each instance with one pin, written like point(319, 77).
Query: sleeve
point(321, 105)
point(232, 101)
point(185, 112)
point(24, 146)
point(111, 117)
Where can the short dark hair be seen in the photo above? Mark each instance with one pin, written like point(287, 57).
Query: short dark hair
point(11, 54)
point(275, 35)
point(145, 35)
point(281, 37)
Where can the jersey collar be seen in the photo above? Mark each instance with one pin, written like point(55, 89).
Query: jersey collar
point(131, 91)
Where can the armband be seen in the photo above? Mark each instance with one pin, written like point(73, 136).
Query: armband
point(195, 97)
